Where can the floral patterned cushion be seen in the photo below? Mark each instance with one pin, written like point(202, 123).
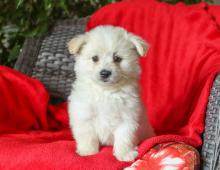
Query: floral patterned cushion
point(168, 156)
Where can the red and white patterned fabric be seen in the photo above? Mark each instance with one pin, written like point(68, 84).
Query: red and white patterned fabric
point(168, 156)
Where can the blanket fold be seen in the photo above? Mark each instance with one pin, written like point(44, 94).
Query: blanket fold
point(176, 79)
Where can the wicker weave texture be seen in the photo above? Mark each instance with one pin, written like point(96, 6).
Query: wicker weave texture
point(54, 65)
point(28, 56)
point(211, 137)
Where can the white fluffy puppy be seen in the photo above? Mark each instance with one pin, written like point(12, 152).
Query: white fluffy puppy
point(104, 105)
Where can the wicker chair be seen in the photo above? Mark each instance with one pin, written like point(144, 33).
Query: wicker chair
point(48, 60)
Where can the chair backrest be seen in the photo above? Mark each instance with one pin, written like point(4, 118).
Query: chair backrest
point(48, 60)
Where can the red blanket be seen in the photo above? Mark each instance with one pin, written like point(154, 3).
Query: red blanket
point(177, 76)
point(183, 59)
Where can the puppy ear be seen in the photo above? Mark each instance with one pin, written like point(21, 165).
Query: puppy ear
point(140, 45)
point(75, 45)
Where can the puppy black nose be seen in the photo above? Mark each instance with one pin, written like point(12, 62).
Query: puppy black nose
point(105, 74)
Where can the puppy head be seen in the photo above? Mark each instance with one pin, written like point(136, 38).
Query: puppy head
point(107, 55)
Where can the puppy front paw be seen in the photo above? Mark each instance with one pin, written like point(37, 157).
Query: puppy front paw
point(127, 156)
point(87, 150)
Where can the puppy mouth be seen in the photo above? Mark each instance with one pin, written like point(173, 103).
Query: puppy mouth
point(105, 80)
point(108, 81)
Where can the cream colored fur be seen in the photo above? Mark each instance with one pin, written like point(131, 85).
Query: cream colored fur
point(107, 112)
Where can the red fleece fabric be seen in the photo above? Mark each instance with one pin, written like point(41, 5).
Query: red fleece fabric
point(177, 75)
point(182, 61)
point(35, 135)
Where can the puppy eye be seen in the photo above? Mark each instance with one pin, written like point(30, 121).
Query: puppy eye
point(116, 58)
point(95, 58)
